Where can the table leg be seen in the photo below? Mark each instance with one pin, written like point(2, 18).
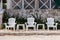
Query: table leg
point(43, 27)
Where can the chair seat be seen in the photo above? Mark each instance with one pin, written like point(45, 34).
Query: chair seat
point(52, 26)
point(30, 25)
point(10, 26)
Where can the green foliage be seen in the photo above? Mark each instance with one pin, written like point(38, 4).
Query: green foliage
point(4, 5)
point(5, 17)
point(20, 20)
point(37, 18)
point(57, 22)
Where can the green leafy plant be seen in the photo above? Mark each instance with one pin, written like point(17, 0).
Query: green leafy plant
point(58, 26)
point(4, 5)
point(20, 20)
point(37, 18)
point(5, 17)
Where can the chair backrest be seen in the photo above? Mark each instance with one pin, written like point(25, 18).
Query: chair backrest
point(11, 21)
point(50, 20)
point(30, 21)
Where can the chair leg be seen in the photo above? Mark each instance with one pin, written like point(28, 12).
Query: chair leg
point(43, 27)
point(37, 27)
point(34, 28)
point(8, 28)
point(53, 28)
point(17, 27)
point(47, 28)
point(23, 27)
point(56, 28)
point(14, 28)
point(26, 28)
point(5, 28)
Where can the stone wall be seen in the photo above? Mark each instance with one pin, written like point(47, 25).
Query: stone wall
point(43, 13)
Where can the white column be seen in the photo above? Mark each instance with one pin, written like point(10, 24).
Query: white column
point(9, 4)
point(22, 11)
point(22, 4)
point(1, 4)
point(36, 4)
point(50, 4)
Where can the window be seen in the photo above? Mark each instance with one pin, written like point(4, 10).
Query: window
point(29, 4)
point(16, 4)
point(0, 3)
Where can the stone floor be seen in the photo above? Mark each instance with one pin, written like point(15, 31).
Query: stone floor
point(29, 33)
point(33, 37)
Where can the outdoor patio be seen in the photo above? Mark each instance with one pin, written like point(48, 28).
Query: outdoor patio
point(34, 37)
point(39, 20)
point(28, 33)
point(22, 27)
point(22, 9)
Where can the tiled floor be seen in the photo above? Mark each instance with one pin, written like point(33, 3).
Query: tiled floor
point(34, 37)
point(30, 32)
point(30, 35)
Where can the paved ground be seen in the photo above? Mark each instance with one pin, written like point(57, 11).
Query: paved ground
point(30, 32)
point(34, 37)
point(52, 35)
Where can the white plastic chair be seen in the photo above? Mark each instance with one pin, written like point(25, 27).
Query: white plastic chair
point(11, 23)
point(30, 23)
point(51, 23)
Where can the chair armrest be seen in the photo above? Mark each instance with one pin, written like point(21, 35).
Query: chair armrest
point(5, 24)
point(35, 23)
point(25, 23)
point(56, 24)
point(15, 23)
point(47, 23)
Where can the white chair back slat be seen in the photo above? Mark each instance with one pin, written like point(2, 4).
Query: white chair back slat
point(50, 20)
point(30, 21)
point(51, 23)
point(11, 21)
